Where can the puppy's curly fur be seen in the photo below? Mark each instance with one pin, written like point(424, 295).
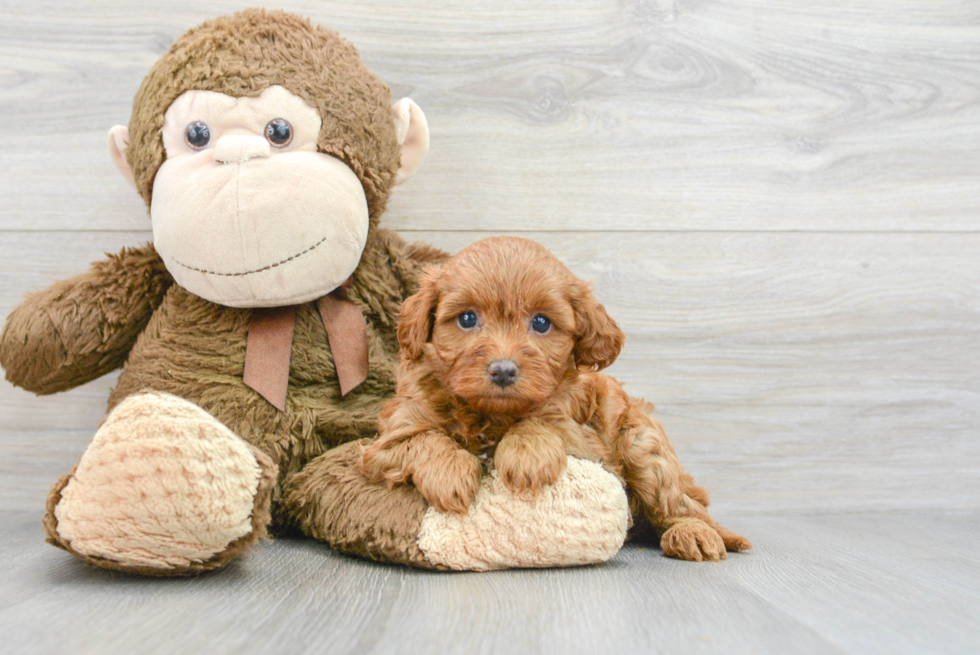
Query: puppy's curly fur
point(500, 353)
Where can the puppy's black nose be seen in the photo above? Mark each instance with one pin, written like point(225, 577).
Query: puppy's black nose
point(503, 372)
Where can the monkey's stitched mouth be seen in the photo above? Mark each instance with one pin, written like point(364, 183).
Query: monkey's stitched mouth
point(257, 270)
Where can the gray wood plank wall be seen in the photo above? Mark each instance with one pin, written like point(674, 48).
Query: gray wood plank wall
point(779, 201)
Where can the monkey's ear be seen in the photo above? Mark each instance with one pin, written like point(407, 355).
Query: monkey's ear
point(118, 142)
point(413, 137)
point(415, 324)
point(598, 340)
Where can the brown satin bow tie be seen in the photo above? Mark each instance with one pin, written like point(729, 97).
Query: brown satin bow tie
point(270, 341)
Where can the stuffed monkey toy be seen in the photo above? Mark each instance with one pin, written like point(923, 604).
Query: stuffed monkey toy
point(257, 333)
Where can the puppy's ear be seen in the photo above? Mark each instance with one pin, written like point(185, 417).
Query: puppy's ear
point(415, 322)
point(598, 339)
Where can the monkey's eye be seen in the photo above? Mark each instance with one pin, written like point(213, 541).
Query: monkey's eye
point(541, 324)
point(279, 132)
point(197, 135)
point(467, 320)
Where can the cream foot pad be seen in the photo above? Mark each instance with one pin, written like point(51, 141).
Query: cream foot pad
point(582, 519)
point(164, 486)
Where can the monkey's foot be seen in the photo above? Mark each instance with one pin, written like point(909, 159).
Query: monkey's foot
point(581, 519)
point(163, 489)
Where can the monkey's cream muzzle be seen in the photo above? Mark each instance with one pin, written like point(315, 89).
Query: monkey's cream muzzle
point(237, 149)
point(243, 222)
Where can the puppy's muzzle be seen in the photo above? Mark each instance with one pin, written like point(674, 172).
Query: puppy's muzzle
point(503, 372)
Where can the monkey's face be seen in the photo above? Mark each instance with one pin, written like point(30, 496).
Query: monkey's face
point(246, 212)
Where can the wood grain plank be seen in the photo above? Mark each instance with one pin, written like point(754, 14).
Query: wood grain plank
point(863, 582)
point(599, 116)
point(298, 596)
point(841, 583)
point(800, 372)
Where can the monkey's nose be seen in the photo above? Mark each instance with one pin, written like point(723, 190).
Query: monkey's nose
point(237, 148)
point(503, 372)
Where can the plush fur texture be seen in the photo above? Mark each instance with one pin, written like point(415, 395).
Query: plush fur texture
point(509, 301)
point(293, 220)
point(166, 486)
point(337, 505)
point(581, 519)
point(80, 329)
point(245, 53)
point(128, 312)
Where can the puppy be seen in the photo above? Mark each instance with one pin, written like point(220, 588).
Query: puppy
point(500, 353)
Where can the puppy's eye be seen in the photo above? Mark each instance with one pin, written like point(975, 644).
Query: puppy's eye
point(279, 132)
point(467, 320)
point(197, 135)
point(541, 324)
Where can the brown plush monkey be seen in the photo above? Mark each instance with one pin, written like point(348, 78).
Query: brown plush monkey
point(257, 333)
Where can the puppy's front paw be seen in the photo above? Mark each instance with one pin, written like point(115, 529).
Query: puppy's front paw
point(379, 464)
point(449, 482)
point(693, 539)
point(529, 464)
point(733, 541)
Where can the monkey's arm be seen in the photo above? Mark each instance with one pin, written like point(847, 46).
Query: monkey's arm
point(423, 253)
point(410, 260)
point(82, 328)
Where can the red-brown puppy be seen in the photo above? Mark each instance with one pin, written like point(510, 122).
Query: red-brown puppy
point(500, 350)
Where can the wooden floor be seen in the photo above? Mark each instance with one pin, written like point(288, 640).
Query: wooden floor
point(778, 201)
point(899, 582)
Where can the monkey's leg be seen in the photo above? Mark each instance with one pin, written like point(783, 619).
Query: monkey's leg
point(582, 519)
point(164, 489)
point(669, 497)
point(332, 500)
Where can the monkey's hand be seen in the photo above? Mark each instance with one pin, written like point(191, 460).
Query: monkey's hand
point(531, 456)
point(80, 329)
